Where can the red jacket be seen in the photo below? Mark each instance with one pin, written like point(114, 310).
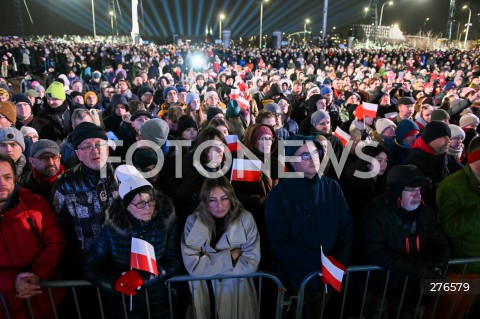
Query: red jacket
point(30, 241)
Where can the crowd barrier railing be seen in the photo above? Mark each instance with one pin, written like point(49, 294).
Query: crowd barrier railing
point(365, 272)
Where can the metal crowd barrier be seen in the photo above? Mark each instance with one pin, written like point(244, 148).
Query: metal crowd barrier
point(75, 284)
point(280, 303)
point(368, 271)
point(260, 275)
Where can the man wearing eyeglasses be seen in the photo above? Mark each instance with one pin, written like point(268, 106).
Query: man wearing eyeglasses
point(303, 214)
point(45, 163)
point(83, 193)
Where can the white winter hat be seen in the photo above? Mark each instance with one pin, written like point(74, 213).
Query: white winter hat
point(382, 124)
point(131, 182)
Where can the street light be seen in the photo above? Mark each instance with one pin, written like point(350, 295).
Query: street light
point(425, 22)
point(221, 17)
point(381, 11)
point(111, 21)
point(468, 25)
point(93, 19)
point(305, 31)
point(261, 21)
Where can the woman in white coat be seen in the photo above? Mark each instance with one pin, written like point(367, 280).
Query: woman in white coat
point(220, 238)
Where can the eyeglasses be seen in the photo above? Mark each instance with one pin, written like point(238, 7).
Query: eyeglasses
point(308, 156)
point(142, 205)
point(413, 191)
point(266, 138)
point(92, 147)
point(47, 159)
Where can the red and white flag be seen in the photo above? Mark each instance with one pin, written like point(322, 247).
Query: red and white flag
point(243, 103)
point(142, 256)
point(232, 142)
point(234, 94)
point(370, 109)
point(246, 170)
point(342, 135)
point(332, 271)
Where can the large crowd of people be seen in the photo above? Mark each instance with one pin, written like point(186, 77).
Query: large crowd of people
point(101, 143)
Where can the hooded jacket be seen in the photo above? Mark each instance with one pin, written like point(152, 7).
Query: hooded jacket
point(396, 239)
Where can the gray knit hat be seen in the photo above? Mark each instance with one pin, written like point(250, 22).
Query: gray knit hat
point(12, 134)
point(318, 116)
point(155, 130)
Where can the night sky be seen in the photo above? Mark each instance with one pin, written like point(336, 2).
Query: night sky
point(189, 18)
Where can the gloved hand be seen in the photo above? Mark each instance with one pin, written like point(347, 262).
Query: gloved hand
point(128, 283)
point(428, 270)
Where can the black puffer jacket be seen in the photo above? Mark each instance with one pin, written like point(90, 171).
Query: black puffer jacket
point(396, 239)
point(110, 256)
point(60, 118)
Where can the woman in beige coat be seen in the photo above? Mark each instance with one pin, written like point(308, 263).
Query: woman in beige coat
point(221, 238)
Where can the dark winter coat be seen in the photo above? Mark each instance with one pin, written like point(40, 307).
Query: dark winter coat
point(110, 256)
point(60, 118)
point(302, 215)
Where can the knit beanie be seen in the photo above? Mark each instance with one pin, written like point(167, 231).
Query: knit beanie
point(212, 111)
point(185, 122)
point(434, 130)
point(233, 109)
point(131, 183)
point(31, 93)
point(273, 107)
point(439, 115)
point(326, 90)
point(8, 110)
point(139, 113)
point(155, 130)
point(145, 90)
point(86, 130)
point(89, 93)
point(25, 130)
point(12, 134)
point(312, 89)
point(406, 128)
point(468, 119)
point(261, 131)
point(382, 124)
point(18, 98)
point(210, 92)
point(456, 131)
point(318, 116)
point(56, 91)
point(190, 97)
point(168, 89)
point(144, 157)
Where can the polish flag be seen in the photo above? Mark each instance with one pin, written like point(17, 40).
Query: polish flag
point(243, 103)
point(370, 109)
point(342, 135)
point(332, 271)
point(234, 94)
point(142, 256)
point(246, 170)
point(232, 142)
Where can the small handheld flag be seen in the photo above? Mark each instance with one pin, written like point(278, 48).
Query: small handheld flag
point(332, 271)
point(142, 256)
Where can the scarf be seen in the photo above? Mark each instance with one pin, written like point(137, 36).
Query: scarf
point(46, 180)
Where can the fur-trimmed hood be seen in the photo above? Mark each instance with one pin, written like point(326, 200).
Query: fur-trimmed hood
point(123, 222)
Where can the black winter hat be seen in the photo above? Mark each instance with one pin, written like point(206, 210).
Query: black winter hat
point(184, 122)
point(21, 98)
point(211, 112)
point(144, 157)
point(434, 130)
point(86, 130)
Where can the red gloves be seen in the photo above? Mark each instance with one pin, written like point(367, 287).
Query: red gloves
point(128, 283)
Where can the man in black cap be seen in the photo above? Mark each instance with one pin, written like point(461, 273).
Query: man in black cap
point(83, 193)
point(46, 167)
point(405, 109)
point(428, 153)
point(25, 117)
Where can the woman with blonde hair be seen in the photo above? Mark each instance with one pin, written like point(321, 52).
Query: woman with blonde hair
point(221, 238)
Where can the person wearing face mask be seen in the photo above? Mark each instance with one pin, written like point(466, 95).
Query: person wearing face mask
point(143, 212)
point(399, 233)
